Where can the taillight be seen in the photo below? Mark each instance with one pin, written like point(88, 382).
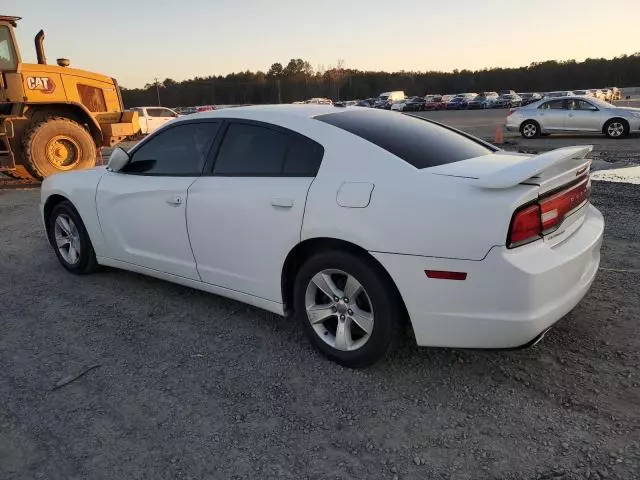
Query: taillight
point(532, 221)
point(555, 208)
point(525, 226)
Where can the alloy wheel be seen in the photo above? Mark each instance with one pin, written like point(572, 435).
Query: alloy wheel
point(339, 310)
point(615, 129)
point(67, 239)
point(529, 130)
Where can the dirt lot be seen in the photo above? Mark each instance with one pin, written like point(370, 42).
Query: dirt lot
point(193, 386)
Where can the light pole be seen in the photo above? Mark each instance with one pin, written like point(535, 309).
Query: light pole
point(158, 91)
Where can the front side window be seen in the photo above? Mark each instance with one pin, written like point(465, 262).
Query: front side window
point(254, 150)
point(177, 151)
point(553, 105)
point(8, 57)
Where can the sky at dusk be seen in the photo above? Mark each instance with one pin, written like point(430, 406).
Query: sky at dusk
point(138, 40)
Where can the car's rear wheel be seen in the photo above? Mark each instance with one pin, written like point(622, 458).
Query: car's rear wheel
point(530, 129)
point(70, 240)
point(348, 307)
point(616, 128)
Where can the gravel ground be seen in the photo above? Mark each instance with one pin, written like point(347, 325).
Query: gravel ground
point(194, 386)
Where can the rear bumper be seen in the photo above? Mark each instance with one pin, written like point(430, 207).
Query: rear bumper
point(508, 299)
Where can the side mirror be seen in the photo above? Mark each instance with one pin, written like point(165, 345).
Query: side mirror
point(118, 159)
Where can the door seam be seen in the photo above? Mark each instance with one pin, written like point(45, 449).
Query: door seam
point(186, 225)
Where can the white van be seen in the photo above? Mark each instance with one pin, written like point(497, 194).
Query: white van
point(386, 99)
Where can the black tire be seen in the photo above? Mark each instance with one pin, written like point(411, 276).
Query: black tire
point(530, 129)
point(74, 145)
point(623, 130)
point(380, 290)
point(86, 262)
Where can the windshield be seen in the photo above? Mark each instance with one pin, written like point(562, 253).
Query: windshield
point(8, 58)
point(600, 103)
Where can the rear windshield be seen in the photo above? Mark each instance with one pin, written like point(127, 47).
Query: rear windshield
point(415, 140)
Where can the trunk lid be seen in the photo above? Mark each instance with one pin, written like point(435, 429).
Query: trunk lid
point(560, 172)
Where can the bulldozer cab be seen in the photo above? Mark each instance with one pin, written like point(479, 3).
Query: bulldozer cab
point(9, 56)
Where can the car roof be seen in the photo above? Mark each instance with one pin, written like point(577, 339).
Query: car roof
point(259, 111)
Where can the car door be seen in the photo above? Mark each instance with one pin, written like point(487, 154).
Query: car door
point(246, 215)
point(142, 208)
point(552, 114)
point(583, 116)
point(158, 116)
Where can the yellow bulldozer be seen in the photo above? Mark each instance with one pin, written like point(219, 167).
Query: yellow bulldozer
point(54, 118)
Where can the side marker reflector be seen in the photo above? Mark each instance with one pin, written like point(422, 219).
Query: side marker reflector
point(444, 275)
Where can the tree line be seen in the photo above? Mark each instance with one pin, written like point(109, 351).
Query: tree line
point(298, 80)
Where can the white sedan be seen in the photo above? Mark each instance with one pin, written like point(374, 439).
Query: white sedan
point(350, 220)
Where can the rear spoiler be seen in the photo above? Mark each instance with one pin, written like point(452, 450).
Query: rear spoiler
point(512, 175)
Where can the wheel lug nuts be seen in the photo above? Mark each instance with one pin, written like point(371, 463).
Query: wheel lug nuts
point(342, 318)
point(336, 299)
point(334, 309)
point(350, 312)
point(346, 300)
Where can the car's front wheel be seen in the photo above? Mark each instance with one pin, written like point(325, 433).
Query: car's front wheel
point(530, 129)
point(70, 240)
point(616, 128)
point(348, 307)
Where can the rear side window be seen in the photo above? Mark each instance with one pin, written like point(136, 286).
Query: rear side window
point(417, 141)
point(254, 150)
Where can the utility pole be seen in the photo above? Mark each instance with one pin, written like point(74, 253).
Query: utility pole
point(158, 91)
point(279, 92)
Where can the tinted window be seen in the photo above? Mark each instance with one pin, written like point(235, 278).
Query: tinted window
point(415, 140)
point(583, 105)
point(253, 150)
point(180, 151)
point(159, 112)
point(553, 105)
point(303, 158)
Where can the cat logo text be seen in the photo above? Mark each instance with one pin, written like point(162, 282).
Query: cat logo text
point(43, 84)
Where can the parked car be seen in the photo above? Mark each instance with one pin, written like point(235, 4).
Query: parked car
point(508, 101)
point(457, 103)
point(364, 103)
point(608, 94)
point(205, 108)
point(319, 101)
point(412, 104)
point(561, 93)
point(386, 99)
point(597, 93)
point(483, 100)
point(616, 94)
point(574, 114)
point(506, 92)
point(152, 118)
point(584, 93)
point(433, 102)
point(262, 205)
point(460, 101)
point(529, 97)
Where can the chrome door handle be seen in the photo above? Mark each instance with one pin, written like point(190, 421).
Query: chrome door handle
point(175, 200)
point(282, 202)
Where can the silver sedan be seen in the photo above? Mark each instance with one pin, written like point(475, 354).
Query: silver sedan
point(573, 114)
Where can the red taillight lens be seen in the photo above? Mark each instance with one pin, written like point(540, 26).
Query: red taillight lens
point(525, 226)
point(532, 221)
point(554, 209)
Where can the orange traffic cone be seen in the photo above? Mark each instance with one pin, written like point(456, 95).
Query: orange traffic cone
point(497, 139)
